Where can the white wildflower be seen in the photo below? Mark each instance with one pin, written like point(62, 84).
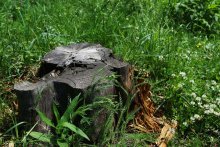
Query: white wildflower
point(207, 85)
point(213, 88)
point(212, 106)
point(173, 75)
point(180, 85)
point(209, 46)
point(206, 106)
point(183, 74)
point(193, 94)
point(192, 103)
point(185, 124)
point(207, 112)
point(192, 81)
point(186, 56)
point(217, 113)
point(211, 110)
point(213, 82)
point(204, 96)
point(160, 57)
point(196, 116)
point(216, 131)
point(192, 119)
point(198, 98)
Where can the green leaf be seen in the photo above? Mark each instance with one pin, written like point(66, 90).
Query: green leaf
point(40, 136)
point(75, 129)
point(62, 143)
point(45, 119)
point(70, 109)
point(56, 112)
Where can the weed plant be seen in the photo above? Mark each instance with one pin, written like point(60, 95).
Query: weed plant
point(197, 16)
point(183, 67)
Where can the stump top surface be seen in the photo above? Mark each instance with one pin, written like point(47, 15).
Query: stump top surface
point(83, 53)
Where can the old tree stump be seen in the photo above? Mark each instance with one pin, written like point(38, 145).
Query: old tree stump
point(67, 71)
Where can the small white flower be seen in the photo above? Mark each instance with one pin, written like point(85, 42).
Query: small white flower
point(183, 74)
point(192, 81)
point(192, 103)
point(209, 46)
point(186, 56)
point(206, 106)
point(212, 106)
point(217, 114)
point(198, 98)
point(196, 116)
point(192, 118)
point(213, 88)
point(204, 96)
point(216, 131)
point(213, 82)
point(207, 112)
point(185, 124)
point(211, 110)
point(193, 94)
point(173, 75)
point(180, 85)
point(160, 57)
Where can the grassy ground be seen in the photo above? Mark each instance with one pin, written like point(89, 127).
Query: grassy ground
point(184, 68)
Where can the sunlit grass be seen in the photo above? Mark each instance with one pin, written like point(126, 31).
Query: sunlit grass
point(183, 67)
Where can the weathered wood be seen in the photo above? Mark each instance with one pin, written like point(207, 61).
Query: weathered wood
point(67, 71)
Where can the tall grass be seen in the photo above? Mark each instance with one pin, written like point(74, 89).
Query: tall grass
point(183, 67)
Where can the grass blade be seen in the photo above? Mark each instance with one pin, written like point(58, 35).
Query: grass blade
point(24, 138)
point(16, 125)
point(56, 112)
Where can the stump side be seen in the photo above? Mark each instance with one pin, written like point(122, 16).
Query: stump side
point(64, 73)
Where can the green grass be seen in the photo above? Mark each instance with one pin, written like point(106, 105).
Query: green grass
point(184, 68)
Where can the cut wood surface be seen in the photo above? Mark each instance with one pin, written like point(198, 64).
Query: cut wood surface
point(65, 72)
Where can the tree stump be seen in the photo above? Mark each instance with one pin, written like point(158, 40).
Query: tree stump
point(67, 71)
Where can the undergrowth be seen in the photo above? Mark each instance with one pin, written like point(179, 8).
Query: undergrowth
point(183, 66)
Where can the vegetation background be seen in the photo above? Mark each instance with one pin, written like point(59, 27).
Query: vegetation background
point(175, 41)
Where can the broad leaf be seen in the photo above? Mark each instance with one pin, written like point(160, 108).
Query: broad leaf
point(45, 119)
point(75, 129)
point(40, 136)
point(62, 143)
point(70, 109)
